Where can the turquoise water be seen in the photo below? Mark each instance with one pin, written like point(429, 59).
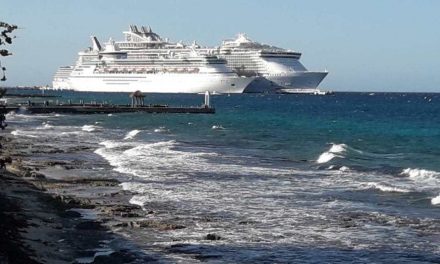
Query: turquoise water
point(281, 178)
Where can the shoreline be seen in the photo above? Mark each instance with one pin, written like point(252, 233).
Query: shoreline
point(263, 203)
point(49, 220)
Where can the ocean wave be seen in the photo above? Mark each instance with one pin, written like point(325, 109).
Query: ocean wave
point(345, 151)
point(332, 153)
point(90, 128)
point(169, 158)
point(435, 200)
point(131, 134)
point(421, 174)
point(384, 188)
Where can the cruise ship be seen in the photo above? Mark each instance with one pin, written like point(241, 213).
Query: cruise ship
point(280, 68)
point(146, 62)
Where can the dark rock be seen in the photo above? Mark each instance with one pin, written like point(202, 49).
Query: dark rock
point(114, 258)
point(90, 225)
point(123, 224)
point(213, 237)
point(55, 163)
point(245, 222)
point(158, 225)
point(37, 175)
point(71, 214)
point(128, 215)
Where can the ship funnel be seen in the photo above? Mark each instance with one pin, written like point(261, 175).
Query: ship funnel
point(96, 44)
point(134, 29)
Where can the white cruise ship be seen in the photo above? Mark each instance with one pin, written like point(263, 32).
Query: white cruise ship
point(280, 68)
point(145, 62)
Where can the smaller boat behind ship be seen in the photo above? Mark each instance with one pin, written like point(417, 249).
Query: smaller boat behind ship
point(303, 91)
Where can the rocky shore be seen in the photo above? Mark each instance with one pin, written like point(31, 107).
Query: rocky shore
point(73, 220)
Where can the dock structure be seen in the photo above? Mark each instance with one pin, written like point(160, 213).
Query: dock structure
point(137, 105)
point(104, 109)
point(137, 99)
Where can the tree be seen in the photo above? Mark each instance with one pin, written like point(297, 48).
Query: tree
point(5, 39)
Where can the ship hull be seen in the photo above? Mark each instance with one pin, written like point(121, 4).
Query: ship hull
point(160, 83)
point(294, 80)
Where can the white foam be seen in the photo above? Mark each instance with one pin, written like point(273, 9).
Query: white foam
point(131, 134)
point(71, 133)
point(139, 200)
point(332, 153)
point(421, 174)
point(325, 157)
point(150, 160)
point(10, 115)
point(344, 169)
point(435, 200)
point(135, 187)
point(90, 128)
point(22, 133)
point(385, 188)
point(161, 130)
point(46, 125)
point(111, 144)
point(338, 148)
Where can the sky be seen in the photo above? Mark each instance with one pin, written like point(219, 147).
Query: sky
point(366, 45)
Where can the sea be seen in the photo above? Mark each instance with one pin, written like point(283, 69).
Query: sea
point(278, 178)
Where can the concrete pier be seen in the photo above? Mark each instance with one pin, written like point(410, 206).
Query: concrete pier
point(103, 109)
point(137, 105)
